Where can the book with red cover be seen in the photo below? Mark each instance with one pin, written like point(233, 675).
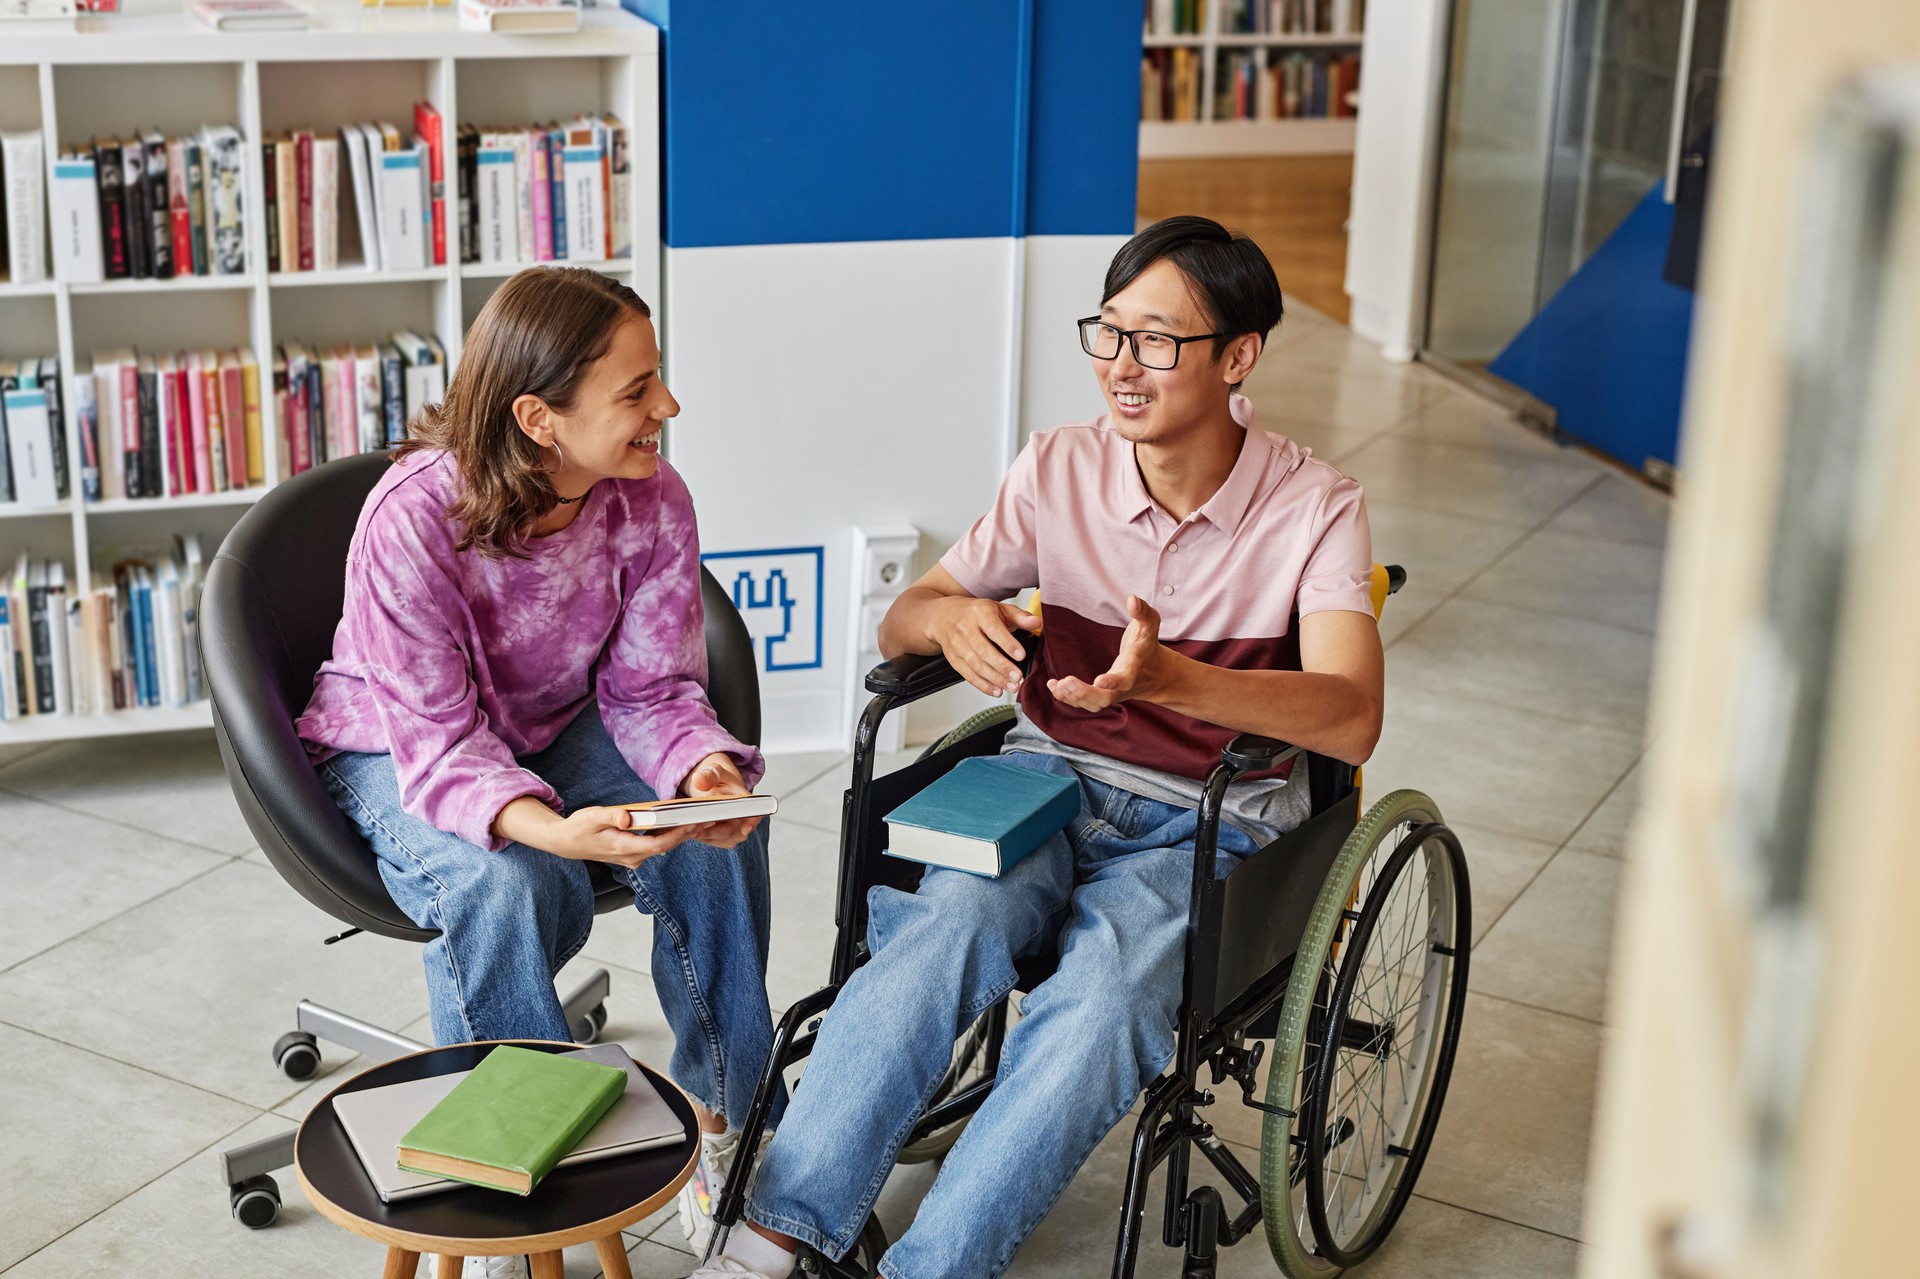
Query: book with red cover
point(197, 423)
point(303, 193)
point(178, 210)
point(426, 124)
point(233, 418)
point(182, 428)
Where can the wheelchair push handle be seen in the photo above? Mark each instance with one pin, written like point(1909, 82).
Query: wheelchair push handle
point(1249, 753)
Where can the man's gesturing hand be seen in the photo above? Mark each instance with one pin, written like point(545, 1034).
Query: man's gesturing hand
point(1135, 669)
point(977, 638)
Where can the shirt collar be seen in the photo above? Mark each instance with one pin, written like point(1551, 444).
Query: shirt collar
point(1225, 509)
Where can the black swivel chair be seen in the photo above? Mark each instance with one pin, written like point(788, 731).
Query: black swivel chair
point(268, 612)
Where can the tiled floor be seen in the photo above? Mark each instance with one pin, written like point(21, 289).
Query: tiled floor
point(149, 956)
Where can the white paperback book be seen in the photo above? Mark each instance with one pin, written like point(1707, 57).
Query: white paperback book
point(499, 203)
point(355, 143)
point(326, 202)
point(81, 670)
point(30, 446)
point(22, 160)
point(76, 221)
point(405, 213)
point(586, 195)
point(523, 195)
point(167, 649)
point(9, 689)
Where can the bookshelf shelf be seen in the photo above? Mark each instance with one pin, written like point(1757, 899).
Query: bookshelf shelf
point(159, 69)
point(1198, 67)
point(501, 270)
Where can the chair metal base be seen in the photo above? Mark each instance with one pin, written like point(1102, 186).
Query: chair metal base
point(254, 1196)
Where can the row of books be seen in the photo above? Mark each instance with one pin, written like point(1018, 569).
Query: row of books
point(23, 210)
point(1292, 17)
point(1256, 17)
point(1290, 86)
point(1170, 84)
point(544, 192)
point(33, 434)
point(398, 192)
point(170, 424)
point(122, 646)
point(340, 399)
point(1176, 17)
point(150, 207)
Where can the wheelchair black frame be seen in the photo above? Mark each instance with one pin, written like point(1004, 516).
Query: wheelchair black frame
point(1231, 990)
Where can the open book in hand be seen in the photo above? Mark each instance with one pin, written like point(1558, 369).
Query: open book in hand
point(661, 813)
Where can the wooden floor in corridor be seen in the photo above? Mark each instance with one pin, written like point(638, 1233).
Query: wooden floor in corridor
point(1295, 207)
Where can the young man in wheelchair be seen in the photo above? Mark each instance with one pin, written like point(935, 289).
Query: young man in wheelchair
point(1171, 540)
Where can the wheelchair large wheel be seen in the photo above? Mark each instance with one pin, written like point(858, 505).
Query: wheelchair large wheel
point(1368, 1029)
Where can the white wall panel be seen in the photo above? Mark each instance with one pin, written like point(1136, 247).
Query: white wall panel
point(824, 386)
point(1063, 279)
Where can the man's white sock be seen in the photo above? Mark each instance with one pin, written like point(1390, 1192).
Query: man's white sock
point(757, 1252)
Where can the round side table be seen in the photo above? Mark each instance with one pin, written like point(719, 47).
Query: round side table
point(586, 1203)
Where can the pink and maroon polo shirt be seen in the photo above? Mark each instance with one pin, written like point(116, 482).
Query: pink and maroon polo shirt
point(1286, 535)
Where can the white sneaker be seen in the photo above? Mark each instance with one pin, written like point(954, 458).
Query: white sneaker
point(494, 1268)
point(702, 1192)
point(728, 1267)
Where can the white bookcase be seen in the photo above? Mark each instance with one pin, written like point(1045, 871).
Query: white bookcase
point(110, 74)
point(1207, 136)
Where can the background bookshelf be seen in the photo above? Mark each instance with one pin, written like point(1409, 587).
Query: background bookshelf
point(1196, 53)
point(161, 70)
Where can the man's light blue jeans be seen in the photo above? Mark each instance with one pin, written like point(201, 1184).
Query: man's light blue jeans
point(1112, 890)
point(509, 920)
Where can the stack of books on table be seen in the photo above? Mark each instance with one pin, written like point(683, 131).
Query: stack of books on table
point(338, 399)
point(150, 207)
point(544, 192)
point(156, 426)
point(506, 1123)
point(397, 186)
point(130, 644)
point(33, 433)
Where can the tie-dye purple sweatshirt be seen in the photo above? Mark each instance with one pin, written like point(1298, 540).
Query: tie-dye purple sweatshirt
point(456, 663)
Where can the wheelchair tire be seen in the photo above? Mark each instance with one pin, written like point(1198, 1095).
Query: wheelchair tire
point(968, 727)
point(1375, 1000)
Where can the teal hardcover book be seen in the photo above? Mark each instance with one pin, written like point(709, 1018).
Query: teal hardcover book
point(983, 816)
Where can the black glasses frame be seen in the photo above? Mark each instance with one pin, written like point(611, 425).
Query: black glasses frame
point(1132, 337)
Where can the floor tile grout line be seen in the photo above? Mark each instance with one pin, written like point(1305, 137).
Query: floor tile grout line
point(1564, 845)
point(37, 749)
point(119, 915)
point(1559, 614)
point(1594, 1022)
point(106, 1208)
point(242, 855)
point(134, 1065)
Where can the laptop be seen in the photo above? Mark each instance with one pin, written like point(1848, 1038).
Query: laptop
point(376, 1118)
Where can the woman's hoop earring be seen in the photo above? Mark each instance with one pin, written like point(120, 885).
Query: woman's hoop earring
point(561, 457)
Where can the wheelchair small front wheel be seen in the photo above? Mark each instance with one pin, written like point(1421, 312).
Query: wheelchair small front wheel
point(1368, 1030)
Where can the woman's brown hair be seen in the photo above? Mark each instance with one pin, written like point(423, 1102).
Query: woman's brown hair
point(537, 335)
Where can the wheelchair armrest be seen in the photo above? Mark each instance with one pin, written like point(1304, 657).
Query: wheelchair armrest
point(911, 676)
point(1247, 753)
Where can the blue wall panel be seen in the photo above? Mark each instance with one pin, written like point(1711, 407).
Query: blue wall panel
point(1609, 350)
point(796, 124)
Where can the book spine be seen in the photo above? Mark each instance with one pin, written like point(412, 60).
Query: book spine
point(270, 197)
point(60, 670)
point(620, 192)
point(9, 692)
point(179, 211)
point(159, 208)
point(303, 189)
point(256, 472)
point(181, 447)
point(216, 425)
point(54, 385)
point(40, 635)
point(133, 189)
point(316, 415)
point(467, 159)
point(130, 428)
point(113, 225)
point(326, 203)
point(25, 173)
point(197, 207)
point(76, 221)
point(393, 395)
point(233, 422)
point(148, 405)
point(557, 190)
point(427, 124)
point(228, 246)
point(79, 645)
point(199, 449)
point(542, 196)
point(144, 674)
point(86, 421)
point(523, 194)
point(298, 438)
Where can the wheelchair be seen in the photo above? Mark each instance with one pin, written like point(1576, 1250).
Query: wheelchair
point(1344, 943)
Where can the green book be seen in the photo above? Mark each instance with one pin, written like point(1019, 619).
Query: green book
point(512, 1119)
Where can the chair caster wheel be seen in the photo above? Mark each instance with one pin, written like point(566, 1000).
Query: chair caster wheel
point(587, 1027)
point(297, 1054)
point(256, 1201)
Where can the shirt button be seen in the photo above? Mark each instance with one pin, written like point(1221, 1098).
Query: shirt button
point(1173, 546)
point(1169, 590)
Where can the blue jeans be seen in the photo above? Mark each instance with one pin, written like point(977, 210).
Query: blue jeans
point(1111, 891)
point(509, 920)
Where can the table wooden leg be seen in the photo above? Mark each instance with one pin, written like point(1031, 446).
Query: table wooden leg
point(613, 1256)
point(401, 1264)
point(549, 1265)
point(450, 1267)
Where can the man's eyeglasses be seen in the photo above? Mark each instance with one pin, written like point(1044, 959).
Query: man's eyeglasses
point(1153, 350)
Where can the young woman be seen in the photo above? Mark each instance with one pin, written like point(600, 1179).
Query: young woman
point(522, 652)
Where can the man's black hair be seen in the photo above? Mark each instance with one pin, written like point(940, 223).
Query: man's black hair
point(1229, 275)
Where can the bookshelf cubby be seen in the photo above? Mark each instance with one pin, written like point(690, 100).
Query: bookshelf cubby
point(159, 69)
point(1208, 131)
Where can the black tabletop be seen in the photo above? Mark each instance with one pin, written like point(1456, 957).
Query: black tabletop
point(566, 1199)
